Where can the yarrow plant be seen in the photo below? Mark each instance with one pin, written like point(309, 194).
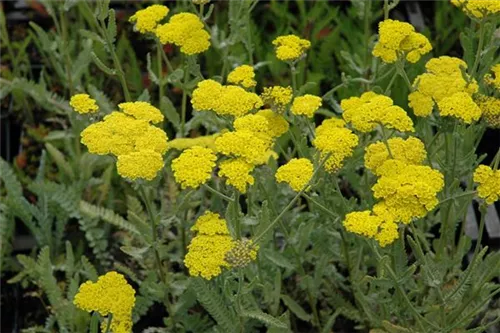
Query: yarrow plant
point(250, 167)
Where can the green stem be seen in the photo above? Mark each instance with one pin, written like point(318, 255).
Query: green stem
point(184, 98)
point(159, 51)
point(214, 191)
point(386, 142)
point(291, 203)
point(401, 70)
point(110, 319)
point(323, 208)
point(293, 72)
point(479, 48)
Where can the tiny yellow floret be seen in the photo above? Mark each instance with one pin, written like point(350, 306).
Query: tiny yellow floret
point(238, 173)
point(143, 164)
point(185, 30)
point(277, 97)
point(461, 106)
point(142, 111)
point(243, 75)
point(194, 166)
point(297, 173)
point(82, 103)
point(147, 19)
point(489, 183)
point(290, 47)
point(306, 105)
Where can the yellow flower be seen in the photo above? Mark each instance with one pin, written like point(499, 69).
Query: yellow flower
point(245, 144)
point(147, 19)
point(224, 100)
point(460, 105)
point(153, 138)
point(443, 79)
point(297, 173)
point(143, 164)
point(494, 79)
point(207, 250)
point(277, 97)
point(290, 47)
point(338, 141)
point(82, 103)
point(397, 37)
point(490, 108)
point(237, 171)
point(194, 166)
point(243, 75)
point(111, 294)
point(410, 151)
point(489, 183)
point(242, 253)
point(210, 224)
point(370, 110)
point(478, 8)
point(142, 111)
point(306, 105)
point(255, 123)
point(277, 123)
point(409, 191)
point(207, 141)
point(185, 30)
point(387, 234)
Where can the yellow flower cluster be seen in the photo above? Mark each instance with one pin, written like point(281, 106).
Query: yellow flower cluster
point(306, 105)
point(410, 151)
point(185, 30)
point(297, 173)
point(494, 79)
point(147, 19)
point(207, 250)
point(142, 111)
point(277, 123)
point(210, 95)
point(460, 105)
point(290, 47)
point(242, 253)
point(82, 103)
point(442, 79)
point(138, 145)
point(277, 97)
point(490, 108)
point(111, 294)
point(194, 166)
point(408, 191)
point(243, 75)
point(399, 38)
point(478, 8)
point(207, 141)
point(371, 109)
point(334, 139)
point(371, 225)
point(489, 183)
point(237, 171)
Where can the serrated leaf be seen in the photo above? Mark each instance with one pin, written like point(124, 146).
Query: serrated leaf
point(264, 318)
point(295, 308)
point(101, 65)
point(92, 35)
point(144, 96)
point(278, 259)
point(60, 160)
point(111, 29)
point(135, 252)
point(170, 112)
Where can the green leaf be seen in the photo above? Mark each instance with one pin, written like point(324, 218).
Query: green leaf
point(101, 65)
point(176, 76)
point(107, 215)
point(168, 109)
point(111, 30)
point(60, 160)
point(135, 252)
point(278, 259)
point(152, 74)
point(264, 317)
point(93, 36)
point(296, 308)
point(10, 180)
point(144, 97)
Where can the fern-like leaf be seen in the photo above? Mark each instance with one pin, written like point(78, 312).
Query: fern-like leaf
point(264, 318)
point(107, 215)
point(12, 184)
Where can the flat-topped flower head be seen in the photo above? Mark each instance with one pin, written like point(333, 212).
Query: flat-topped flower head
point(148, 18)
point(306, 105)
point(207, 250)
point(490, 108)
point(143, 164)
point(111, 294)
point(207, 141)
point(277, 123)
point(246, 144)
point(444, 77)
point(243, 75)
point(478, 8)
point(399, 38)
point(461, 106)
point(493, 78)
point(297, 173)
point(277, 97)
point(409, 191)
point(237, 172)
point(185, 30)
point(83, 103)
point(489, 183)
point(369, 110)
point(410, 151)
point(194, 166)
point(210, 95)
point(290, 47)
point(334, 139)
point(142, 111)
